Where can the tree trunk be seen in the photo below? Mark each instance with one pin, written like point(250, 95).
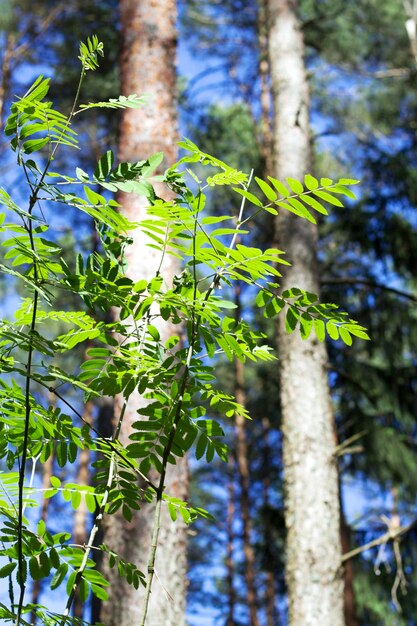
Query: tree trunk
point(312, 516)
point(348, 593)
point(81, 514)
point(268, 538)
point(231, 593)
point(243, 475)
point(148, 67)
point(265, 95)
point(5, 73)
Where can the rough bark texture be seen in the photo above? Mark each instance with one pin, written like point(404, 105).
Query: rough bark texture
point(243, 474)
point(5, 73)
point(349, 602)
point(313, 570)
point(264, 73)
point(269, 598)
point(242, 464)
point(148, 67)
point(81, 514)
point(231, 593)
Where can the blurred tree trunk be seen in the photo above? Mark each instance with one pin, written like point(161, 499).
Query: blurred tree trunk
point(312, 516)
point(148, 67)
point(242, 464)
point(81, 513)
point(349, 602)
point(5, 73)
point(231, 593)
point(268, 538)
point(265, 95)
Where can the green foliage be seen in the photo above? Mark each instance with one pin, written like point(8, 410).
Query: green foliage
point(128, 354)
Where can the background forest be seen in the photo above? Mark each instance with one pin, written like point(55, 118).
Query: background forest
point(337, 98)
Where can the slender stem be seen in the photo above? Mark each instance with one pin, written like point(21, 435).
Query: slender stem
point(97, 523)
point(152, 557)
point(35, 189)
point(23, 460)
point(168, 447)
point(178, 401)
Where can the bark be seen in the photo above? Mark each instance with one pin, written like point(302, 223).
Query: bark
point(264, 73)
point(349, 602)
point(231, 593)
point(81, 513)
point(312, 516)
point(243, 475)
point(266, 484)
point(148, 67)
point(5, 73)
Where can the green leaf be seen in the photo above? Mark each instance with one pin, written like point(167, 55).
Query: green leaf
point(295, 185)
point(328, 198)
point(311, 182)
point(104, 166)
point(99, 592)
point(154, 332)
point(279, 186)
point(226, 304)
point(7, 569)
point(267, 189)
point(306, 325)
point(314, 204)
point(291, 319)
point(83, 589)
point(75, 499)
point(332, 330)
point(249, 196)
point(172, 511)
point(33, 145)
point(59, 575)
point(319, 329)
point(348, 181)
point(201, 446)
point(345, 336)
point(274, 307)
point(122, 102)
point(344, 191)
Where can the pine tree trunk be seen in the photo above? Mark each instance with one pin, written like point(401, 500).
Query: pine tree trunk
point(267, 530)
point(5, 73)
point(231, 594)
point(81, 514)
point(265, 95)
point(148, 67)
point(312, 516)
point(243, 474)
point(242, 465)
point(348, 592)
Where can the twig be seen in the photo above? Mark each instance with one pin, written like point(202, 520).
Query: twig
point(97, 522)
point(390, 535)
point(369, 283)
point(178, 401)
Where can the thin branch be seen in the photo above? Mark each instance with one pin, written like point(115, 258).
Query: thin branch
point(97, 523)
point(369, 283)
point(342, 448)
point(178, 400)
point(390, 535)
